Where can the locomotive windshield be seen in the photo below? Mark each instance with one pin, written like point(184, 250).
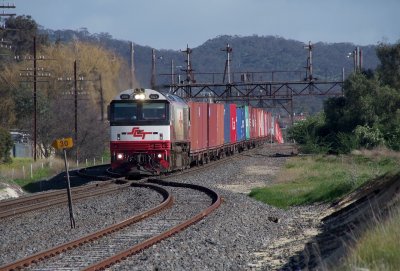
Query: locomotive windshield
point(139, 113)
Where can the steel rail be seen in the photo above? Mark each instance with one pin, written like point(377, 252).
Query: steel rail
point(38, 196)
point(62, 198)
point(25, 262)
point(216, 202)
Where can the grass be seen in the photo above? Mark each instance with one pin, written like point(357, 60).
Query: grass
point(378, 248)
point(38, 174)
point(323, 178)
point(19, 170)
point(307, 180)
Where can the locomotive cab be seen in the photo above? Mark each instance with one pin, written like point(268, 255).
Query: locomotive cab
point(149, 131)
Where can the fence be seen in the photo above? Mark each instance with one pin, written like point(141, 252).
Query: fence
point(27, 170)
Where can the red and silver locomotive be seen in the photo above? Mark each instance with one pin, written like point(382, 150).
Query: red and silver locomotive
point(149, 131)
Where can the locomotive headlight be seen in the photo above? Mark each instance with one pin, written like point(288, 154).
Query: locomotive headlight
point(159, 156)
point(120, 156)
point(140, 96)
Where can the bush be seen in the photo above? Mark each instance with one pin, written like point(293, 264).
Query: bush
point(369, 137)
point(346, 143)
point(6, 144)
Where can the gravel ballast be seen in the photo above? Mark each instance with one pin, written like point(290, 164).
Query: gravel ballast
point(242, 234)
point(29, 233)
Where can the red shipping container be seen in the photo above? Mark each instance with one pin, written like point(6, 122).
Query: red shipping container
point(216, 125)
point(220, 124)
point(198, 126)
point(212, 122)
point(261, 114)
point(265, 114)
point(259, 122)
point(233, 123)
point(267, 123)
point(253, 122)
point(256, 122)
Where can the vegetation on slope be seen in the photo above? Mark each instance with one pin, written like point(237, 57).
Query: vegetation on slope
point(323, 178)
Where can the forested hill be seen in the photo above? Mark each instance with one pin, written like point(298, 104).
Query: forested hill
point(250, 54)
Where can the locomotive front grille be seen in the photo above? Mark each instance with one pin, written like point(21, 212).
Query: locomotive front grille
point(142, 146)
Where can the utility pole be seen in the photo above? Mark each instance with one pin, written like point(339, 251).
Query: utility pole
point(5, 43)
point(3, 14)
point(357, 54)
point(34, 102)
point(33, 73)
point(76, 111)
point(309, 68)
point(132, 66)
point(153, 69)
point(74, 91)
point(188, 70)
point(227, 70)
point(101, 99)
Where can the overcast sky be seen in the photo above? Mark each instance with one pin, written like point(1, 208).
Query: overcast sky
point(171, 24)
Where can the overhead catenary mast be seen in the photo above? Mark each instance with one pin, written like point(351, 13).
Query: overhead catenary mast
point(132, 77)
point(227, 70)
point(188, 70)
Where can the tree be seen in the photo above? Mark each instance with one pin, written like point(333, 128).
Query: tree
point(389, 69)
point(55, 99)
point(307, 133)
point(6, 144)
point(20, 31)
point(360, 94)
point(92, 61)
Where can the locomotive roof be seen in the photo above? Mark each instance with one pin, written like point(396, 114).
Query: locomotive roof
point(150, 94)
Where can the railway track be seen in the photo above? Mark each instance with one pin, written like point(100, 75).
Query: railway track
point(113, 244)
point(38, 201)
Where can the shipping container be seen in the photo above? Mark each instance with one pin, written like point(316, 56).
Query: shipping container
point(278, 133)
point(233, 119)
point(269, 120)
point(198, 126)
point(220, 117)
point(266, 123)
point(227, 124)
point(216, 125)
point(247, 120)
point(261, 127)
point(241, 125)
point(253, 123)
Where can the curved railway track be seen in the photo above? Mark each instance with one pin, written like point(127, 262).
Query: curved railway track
point(115, 243)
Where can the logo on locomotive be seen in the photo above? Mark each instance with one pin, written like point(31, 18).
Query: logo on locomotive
point(136, 132)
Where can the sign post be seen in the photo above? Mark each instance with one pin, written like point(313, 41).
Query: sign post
point(64, 144)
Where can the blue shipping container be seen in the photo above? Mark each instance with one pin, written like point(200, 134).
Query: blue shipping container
point(240, 124)
point(247, 121)
point(227, 124)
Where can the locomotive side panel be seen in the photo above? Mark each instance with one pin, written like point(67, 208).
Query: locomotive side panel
point(179, 122)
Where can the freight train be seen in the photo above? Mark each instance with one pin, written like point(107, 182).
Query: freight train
point(154, 132)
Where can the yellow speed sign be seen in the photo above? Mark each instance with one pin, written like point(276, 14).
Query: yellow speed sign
point(63, 143)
